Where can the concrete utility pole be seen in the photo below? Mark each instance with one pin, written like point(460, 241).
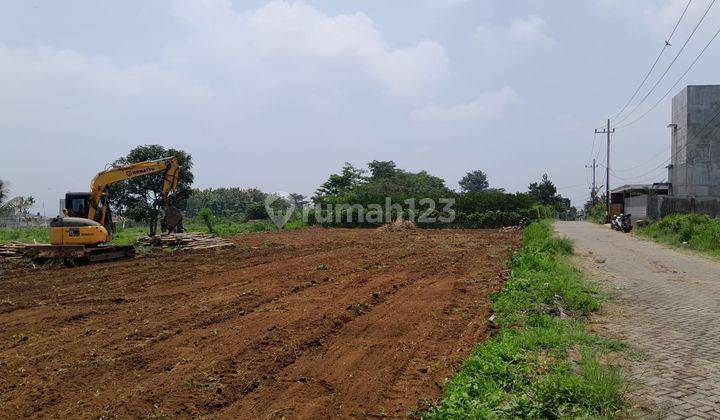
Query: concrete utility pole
point(594, 188)
point(607, 131)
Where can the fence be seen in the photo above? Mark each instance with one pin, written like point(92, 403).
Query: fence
point(16, 222)
point(659, 206)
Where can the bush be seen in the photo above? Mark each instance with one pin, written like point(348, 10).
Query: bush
point(596, 213)
point(694, 231)
point(478, 210)
point(256, 211)
point(207, 217)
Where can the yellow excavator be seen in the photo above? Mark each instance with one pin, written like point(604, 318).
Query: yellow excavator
point(77, 236)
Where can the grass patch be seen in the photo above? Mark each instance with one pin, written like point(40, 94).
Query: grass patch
point(228, 227)
point(689, 231)
point(29, 235)
point(542, 362)
point(129, 235)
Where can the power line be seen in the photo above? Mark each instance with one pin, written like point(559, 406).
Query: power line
point(632, 168)
point(676, 82)
point(655, 63)
point(681, 149)
point(628, 179)
point(667, 70)
point(599, 149)
point(592, 150)
point(571, 186)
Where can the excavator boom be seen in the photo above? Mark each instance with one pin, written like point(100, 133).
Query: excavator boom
point(98, 209)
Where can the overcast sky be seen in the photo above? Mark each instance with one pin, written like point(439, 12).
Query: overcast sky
point(277, 95)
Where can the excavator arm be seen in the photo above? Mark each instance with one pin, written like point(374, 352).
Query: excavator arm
point(98, 205)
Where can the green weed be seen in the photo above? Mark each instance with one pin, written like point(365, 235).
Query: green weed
point(129, 235)
point(691, 231)
point(542, 363)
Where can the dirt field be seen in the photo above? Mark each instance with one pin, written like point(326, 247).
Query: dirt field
point(308, 323)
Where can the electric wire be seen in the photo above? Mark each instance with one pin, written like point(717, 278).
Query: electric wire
point(655, 63)
point(680, 149)
point(667, 70)
point(655, 105)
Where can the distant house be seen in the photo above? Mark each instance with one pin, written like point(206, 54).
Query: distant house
point(633, 198)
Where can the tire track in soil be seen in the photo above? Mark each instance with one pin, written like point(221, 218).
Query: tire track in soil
point(399, 309)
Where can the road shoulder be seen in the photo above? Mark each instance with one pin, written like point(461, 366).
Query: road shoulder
point(664, 307)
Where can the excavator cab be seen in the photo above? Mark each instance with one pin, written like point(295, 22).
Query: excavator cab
point(77, 204)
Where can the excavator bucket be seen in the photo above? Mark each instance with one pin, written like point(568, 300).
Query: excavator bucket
point(172, 220)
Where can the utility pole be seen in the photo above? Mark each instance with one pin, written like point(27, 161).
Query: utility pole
point(594, 188)
point(607, 131)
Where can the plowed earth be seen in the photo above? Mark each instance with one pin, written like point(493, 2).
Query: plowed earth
point(311, 323)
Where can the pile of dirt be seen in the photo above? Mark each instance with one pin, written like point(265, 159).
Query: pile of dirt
point(187, 240)
point(397, 226)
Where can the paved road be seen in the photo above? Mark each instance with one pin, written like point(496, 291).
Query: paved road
point(668, 307)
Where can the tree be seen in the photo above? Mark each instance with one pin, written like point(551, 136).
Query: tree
point(141, 198)
point(382, 169)
point(544, 191)
point(474, 181)
point(349, 177)
point(225, 202)
point(23, 205)
point(546, 194)
point(299, 200)
point(256, 211)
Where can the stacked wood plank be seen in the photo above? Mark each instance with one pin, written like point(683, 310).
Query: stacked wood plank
point(511, 228)
point(12, 249)
point(187, 240)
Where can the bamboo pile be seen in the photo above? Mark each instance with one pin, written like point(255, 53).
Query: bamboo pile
point(12, 249)
point(186, 240)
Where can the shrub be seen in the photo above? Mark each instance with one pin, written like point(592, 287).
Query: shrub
point(207, 217)
point(256, 211)
point(693, 231)
point(596, 213)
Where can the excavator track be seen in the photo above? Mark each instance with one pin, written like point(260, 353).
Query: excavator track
point(78, 254)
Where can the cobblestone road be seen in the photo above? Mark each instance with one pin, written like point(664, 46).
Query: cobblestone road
point(668, 308)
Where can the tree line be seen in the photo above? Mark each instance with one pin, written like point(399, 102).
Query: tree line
point(477, 203)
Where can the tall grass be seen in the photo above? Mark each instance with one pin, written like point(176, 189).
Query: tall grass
point(129, 235)
point(39, 234)
point(542, 363)
point(692, 231)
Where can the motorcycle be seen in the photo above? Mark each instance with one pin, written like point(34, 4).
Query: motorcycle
point(621, 223)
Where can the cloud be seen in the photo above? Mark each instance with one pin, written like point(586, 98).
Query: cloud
point(445, 3)
point(297, 33)
point(659, 17)
point(249, 83)
point(488, 106)
point(519, 36)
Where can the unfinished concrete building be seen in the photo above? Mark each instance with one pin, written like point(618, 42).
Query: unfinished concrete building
point(694, 170)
